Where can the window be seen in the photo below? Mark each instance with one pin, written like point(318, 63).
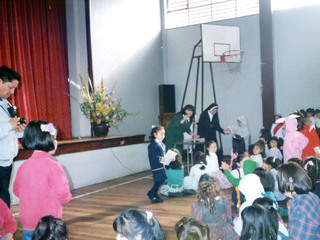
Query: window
point(179, 13)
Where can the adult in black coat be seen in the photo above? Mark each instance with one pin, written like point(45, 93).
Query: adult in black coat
point(209, 124)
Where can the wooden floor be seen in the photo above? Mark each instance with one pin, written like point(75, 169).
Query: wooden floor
point(92, 210)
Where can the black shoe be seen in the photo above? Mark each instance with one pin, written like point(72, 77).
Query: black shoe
point(189, 192)
point(159, 199)
point(176, 194)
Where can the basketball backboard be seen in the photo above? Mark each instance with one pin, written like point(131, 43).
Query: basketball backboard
point(218, 39)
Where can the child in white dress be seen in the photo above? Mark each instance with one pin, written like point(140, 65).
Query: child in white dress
point(190, 183)
point(213, 165)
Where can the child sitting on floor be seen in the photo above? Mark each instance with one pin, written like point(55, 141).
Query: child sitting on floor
point(173, 186)
point(214, 209)
point(190, 183)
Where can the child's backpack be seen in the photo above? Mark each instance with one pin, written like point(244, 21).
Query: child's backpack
point(237, 196)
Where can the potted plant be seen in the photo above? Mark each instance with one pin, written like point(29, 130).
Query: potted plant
point(101, 107)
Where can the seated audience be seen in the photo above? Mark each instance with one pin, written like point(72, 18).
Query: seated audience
point(304, 208)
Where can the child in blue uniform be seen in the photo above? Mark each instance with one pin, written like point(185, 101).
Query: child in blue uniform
point(156, 152)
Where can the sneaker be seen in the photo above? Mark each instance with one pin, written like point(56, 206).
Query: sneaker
point(176, 194)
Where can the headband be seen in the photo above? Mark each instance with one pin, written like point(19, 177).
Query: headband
point(206, 177)
point(48, 128)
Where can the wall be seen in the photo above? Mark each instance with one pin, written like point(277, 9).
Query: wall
point(126, 48)
point(237, 86)
point(297, 58)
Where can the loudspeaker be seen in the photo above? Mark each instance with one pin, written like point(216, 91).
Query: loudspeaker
point(167, 99)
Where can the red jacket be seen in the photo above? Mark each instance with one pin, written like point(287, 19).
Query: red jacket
point(8, 223)
point(312, 135)
point(42, 187)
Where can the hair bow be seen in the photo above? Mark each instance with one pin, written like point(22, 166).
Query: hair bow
point(206, 177)
point(153, 126)
point(48, 128)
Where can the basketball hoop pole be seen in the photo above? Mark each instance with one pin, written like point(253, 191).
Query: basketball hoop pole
point(199, 59)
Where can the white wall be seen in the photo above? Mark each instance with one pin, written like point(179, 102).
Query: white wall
point(297, 58)
point(126, 47)
point(90, 167)
point(237, 89)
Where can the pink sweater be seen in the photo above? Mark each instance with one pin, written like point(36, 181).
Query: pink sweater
point(42, 187)
point(8, 223)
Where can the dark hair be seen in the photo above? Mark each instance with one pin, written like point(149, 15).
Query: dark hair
point(297, 161)
point(50, 228)
point(200, 158)
point(266, 179)
point(192, 229)
point(273, 162)
point(291, 177)
point(261, 145)
point(208, 145)
point(257, 224)
point(264, 132)
point(317, 111)
point(238, 144)
point(301, 121)
point(133, 222)
point(191, 108)
point(311, 111)
point(36, 139)
point(312, 166)
point(273, 138)
point(237, 160)
point(250, 149)
point(268, 204)
point(155, 130)
point(178, 162)
point(8, 75)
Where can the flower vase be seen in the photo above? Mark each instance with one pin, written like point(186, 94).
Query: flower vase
point(101, 130)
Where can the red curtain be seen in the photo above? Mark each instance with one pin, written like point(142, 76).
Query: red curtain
point(33, 43)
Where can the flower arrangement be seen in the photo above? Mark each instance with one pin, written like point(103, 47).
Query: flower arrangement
point(100, 105)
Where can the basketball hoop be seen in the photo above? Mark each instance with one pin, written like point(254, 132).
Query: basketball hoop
point(231, 55)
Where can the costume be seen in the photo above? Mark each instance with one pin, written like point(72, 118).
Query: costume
point(175, 130)
point(42, 187)
point(304, 217)
point(208, 125)
point(8, 149)
point(251, 187)
point(8, 223)
point(243, 131)
point(174, 182)
point(220, 223)
point(248, 167)
point(156, 150)
point(274, 152)
point(294, 141)
point(196, 171)
point(311, 133)
point(277, 130)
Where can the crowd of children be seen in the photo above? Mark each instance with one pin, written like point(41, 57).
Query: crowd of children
point(277, 176)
